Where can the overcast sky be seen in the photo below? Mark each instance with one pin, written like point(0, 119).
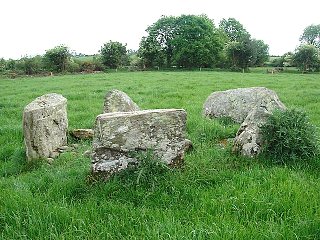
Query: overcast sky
point(29, 27)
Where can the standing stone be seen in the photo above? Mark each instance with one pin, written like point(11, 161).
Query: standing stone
point(248, 141)
point(117, 135)
point(117, 101)
point(238, 103)
point(45, 126)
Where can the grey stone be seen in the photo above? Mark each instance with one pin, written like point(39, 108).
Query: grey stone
point(238, 103)
point(117, 135)
point(248, 141)
point(118, 101)
point(45, 126)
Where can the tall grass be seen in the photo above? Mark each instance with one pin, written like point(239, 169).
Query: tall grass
point(216, 195)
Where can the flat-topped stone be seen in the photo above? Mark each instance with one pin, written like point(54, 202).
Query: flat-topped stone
point(117, 135)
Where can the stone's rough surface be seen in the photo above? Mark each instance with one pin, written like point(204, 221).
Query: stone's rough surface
point(117, 135)
point(82, 133)
point(117, 101)
point(248, 141)
point(45, 125)
point(238, 103)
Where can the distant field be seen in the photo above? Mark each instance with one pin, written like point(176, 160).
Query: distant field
point(215, 196)
point(84, 58)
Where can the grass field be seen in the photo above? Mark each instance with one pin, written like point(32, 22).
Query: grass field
point(216, 195)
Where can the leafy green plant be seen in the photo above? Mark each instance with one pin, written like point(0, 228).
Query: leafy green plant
point(114, 55)
point(57, 58)
point(289, 135)
point(148, 170)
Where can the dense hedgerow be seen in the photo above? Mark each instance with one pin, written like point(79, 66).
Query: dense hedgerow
point(288, 135)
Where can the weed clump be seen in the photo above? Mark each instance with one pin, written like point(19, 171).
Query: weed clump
point(288, 135)
point(148, 171)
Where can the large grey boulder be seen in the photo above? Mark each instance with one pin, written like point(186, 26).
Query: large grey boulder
point(238, 103)
point(118, 101)
point(118, 135)
point(45, 125)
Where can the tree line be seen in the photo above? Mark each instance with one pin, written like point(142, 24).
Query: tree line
point(306, 56)
point(186, 41)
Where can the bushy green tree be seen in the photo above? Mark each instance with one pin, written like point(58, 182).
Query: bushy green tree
point(11, 64)
point(311, 35)
point(151, 52)
point(2, 64)
point(260, 52)
point(114, 54)
point(57, 58)
point(157, 47)
point(187, 41)
point(234, 30)
point(197, 43)
point(241, 51)
point(239, 54)
point(29, 65)
point(306, 58)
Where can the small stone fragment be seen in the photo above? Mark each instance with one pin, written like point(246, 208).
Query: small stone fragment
point(82, 133)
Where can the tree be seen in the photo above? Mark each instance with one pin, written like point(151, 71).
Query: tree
point(233, 29)
point(241, 50)
point(198, 43)
point(30, 65)
point(56, 59)
point(187, 41)
point(151, 52)
point(162, 33)
point(306, 58)
point(239, 54)
point(311, 35)
point(114, 54)
point(2, 64)
point(157, 48)
point(11, 64)
point(260, 52)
